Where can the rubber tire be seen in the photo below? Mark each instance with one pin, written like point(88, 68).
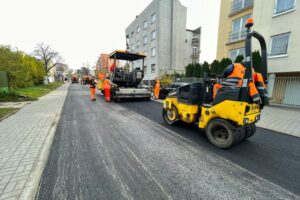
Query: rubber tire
point(233, 138)
point(166, 119)
point(251, 131)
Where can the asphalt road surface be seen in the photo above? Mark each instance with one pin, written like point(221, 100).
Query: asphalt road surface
point(125, 151)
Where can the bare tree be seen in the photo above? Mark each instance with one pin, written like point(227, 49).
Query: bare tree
point(47, 56)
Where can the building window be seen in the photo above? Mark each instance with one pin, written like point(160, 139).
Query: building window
point(195, 51)
point(279, 44)
point(132, 34)
point(238, 5)
point(153, 68)
point(132, 47)
point(283, 6)
point(138, 29)
point(138, 43)
point(145, 24)
point(153, 35)
point(153, 18)
point(127, 42)
point(238, 30)
point(145, 53)
point(235, 52)
point(145, 69)
point(145, 39)
point(153, 52)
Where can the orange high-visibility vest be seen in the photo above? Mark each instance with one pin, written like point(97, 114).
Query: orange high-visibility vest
point(236, 79)
point(237, 75)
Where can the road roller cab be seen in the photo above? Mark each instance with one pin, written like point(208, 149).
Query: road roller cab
point(229, 117)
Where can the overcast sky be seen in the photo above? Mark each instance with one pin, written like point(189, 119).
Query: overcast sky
point(82, 29)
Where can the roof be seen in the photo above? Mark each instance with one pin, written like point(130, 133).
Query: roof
point(126, 55)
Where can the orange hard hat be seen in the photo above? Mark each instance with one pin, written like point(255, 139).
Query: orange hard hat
point(249, 22)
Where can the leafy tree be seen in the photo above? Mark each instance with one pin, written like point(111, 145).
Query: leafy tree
point(256, 61)
point(214, 66)
point(205, 68)
point(223, 64)
point(189, 70)
point(239, 59)
point(23, 70)
point(178, 75)
point(197, 70)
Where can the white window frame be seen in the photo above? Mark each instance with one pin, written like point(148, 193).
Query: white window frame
point(195, 51)
point(132, 34)
point(138, 43)
point(153, 52)
point(138, 29)
point(242, 27)
point(153, 18)
point(145, 67)
point(271, 43)
point(145, 40)
point(145, 24)
point(275, 14)
point(238, 53)
point(153, 33)
point(132, 47)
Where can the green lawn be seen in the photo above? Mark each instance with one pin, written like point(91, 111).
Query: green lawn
point(30, 93)
point(6, 111)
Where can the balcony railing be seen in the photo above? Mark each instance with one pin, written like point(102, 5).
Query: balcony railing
point(195, 40)
point(238, 5)
point(236, 36)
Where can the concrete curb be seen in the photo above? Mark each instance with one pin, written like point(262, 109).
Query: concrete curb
point(32, 186)
point(8, 115)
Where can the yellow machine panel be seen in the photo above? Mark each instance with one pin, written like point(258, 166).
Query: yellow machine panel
point(239, 112)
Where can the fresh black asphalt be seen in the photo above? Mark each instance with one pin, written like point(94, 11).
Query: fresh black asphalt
point(125, 151)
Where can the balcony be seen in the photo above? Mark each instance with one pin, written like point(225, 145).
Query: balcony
point(236, 36)
point(239, 5)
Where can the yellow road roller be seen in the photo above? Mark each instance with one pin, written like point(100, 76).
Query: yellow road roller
point(229, 116)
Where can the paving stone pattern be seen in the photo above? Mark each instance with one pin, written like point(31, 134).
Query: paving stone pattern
point(22, 137)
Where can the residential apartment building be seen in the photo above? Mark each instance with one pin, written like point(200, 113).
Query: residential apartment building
point(278, 21)
point(160, 33)
point(232, 31)
point(104, 63)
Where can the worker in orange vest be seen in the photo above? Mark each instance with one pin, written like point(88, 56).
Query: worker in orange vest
point(92, 88)
point(106, 87)
point(234, 74)
point(156, 89)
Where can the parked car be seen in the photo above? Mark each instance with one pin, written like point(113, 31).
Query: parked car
point(163, 92)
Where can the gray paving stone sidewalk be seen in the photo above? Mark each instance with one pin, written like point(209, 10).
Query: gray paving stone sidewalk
point(284, 120)
point(25, 139)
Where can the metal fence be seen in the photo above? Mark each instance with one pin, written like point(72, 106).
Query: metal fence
point(286, 90)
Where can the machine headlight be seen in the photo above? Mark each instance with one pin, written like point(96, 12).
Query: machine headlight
point(246, 120)
point(257, 117)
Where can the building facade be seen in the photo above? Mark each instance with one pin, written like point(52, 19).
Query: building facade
point(160, 33)
point(104, 63)
point(278, 21)
point(232, 31)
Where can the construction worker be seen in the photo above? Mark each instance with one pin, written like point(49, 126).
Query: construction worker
point(93, 88)
point(234, 74)
point(106, 87)
point(156, 89)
